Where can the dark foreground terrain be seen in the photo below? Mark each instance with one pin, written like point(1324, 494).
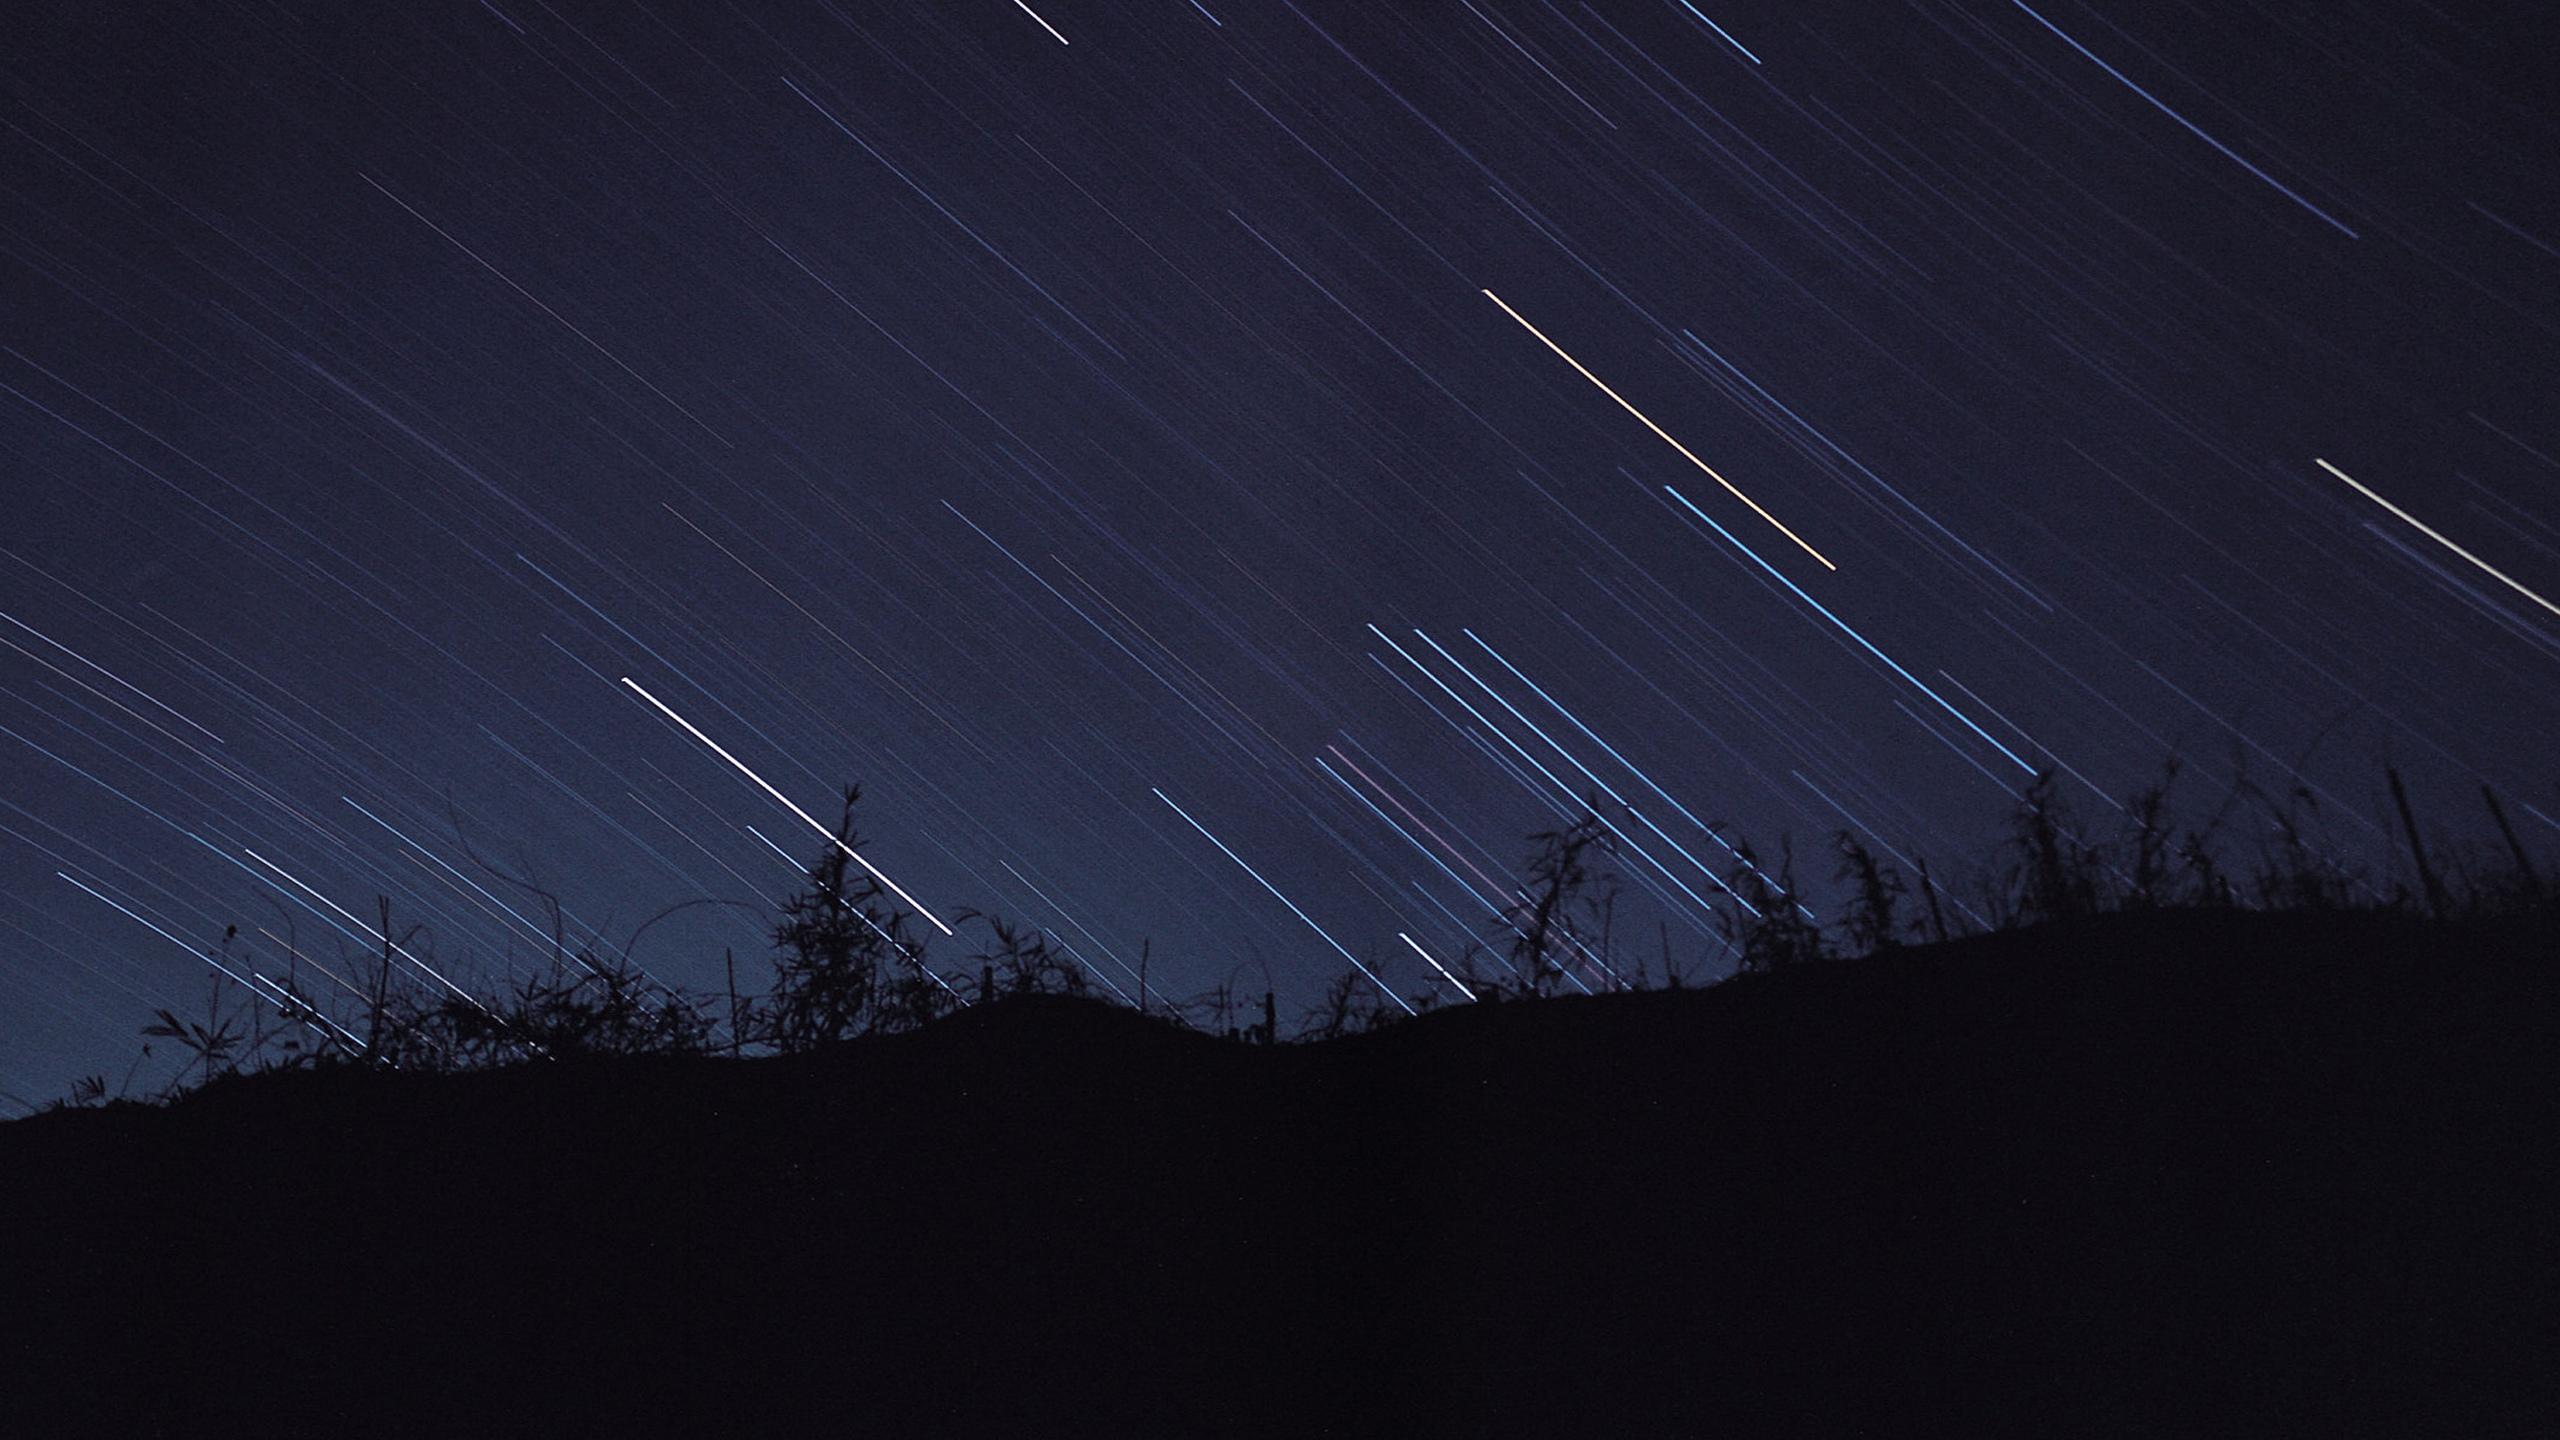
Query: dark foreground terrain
point(2240, 1175)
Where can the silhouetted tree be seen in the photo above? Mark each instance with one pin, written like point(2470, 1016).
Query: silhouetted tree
point(1775, 932)
point(1558, 920)
point(835, 946)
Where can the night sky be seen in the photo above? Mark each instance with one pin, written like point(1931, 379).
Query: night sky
point(1780, 417)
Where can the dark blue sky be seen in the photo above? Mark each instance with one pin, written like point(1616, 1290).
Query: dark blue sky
point(1032, 429)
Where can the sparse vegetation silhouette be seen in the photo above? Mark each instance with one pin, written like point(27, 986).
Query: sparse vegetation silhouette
point(848, 962)
point(2219, 1132)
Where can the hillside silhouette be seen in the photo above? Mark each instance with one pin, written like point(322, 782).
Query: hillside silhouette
point(2130, 1174)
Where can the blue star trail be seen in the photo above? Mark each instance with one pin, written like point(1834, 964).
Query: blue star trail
point(519, 465)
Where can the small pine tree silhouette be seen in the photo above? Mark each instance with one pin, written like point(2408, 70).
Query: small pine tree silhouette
point(835, 947)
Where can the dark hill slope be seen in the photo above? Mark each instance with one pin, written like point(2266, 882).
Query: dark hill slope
point(2145, 1177)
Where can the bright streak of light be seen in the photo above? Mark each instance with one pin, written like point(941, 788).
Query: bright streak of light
point(1720, 30)
point(1987, 563)
point(2423, 529)
point(786, 804)
point(1702, 465)
point(1052, 29)
point(1684, 810)
point(848, 908)
point(1285, 900)
point(1854, 635)
point(1605, 787)
point(2021, 732)
point(1623, 838)
point(1436, 965)
point(1462, 926)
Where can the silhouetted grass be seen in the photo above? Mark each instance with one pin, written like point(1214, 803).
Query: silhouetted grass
point(848, 962)
point(2156, 1126)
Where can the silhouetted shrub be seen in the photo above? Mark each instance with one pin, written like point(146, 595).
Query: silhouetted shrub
point(846, 962)
point(2058, 875)
point(1018, 962)
point(1868, 924)
point(1560, 923)
point(1775, 931)
point(835, 950)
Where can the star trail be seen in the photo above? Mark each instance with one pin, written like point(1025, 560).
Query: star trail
point(1219, 476)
